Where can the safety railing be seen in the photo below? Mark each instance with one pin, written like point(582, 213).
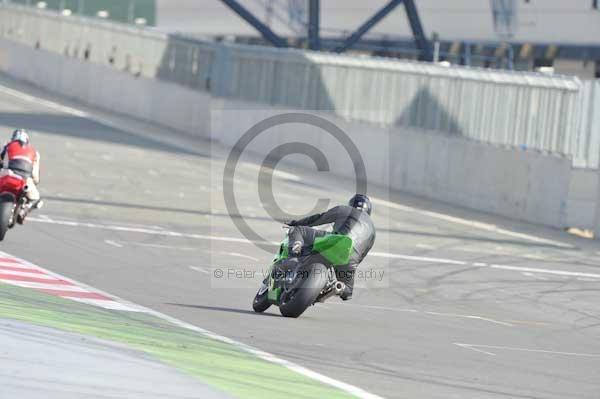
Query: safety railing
point(516, 109)
point(141, 51)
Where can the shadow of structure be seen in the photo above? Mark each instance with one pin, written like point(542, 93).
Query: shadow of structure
point(426, 112)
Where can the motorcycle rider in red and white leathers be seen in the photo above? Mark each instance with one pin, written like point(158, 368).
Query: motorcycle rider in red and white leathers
point(20, 158)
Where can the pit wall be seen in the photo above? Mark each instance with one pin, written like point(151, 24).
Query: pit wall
point(522, 185)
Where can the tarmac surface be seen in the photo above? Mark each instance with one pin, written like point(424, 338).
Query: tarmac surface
point(467, 306)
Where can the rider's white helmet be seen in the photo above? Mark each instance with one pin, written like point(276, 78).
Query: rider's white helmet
point(20, 135)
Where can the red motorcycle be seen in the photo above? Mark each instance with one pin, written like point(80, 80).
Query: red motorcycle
point(13, 201)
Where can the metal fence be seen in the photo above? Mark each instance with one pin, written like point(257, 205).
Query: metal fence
point(141, 51)
point(587, 148)
point(515, 109)
point(509, 108)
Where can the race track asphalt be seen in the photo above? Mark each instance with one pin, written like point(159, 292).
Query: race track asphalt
point(464, 309)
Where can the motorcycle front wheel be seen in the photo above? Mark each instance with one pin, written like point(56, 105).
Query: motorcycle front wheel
point(261, 300)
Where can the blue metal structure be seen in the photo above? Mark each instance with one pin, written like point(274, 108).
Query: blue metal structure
point(264, 30)
point(314, 11)
point(423, 45)
point(364, 28)
point(313, 27)
point(417, 29)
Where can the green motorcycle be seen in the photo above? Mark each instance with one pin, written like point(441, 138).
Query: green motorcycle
point(296, 282)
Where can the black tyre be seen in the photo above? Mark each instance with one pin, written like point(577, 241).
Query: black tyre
point(313, 279)
point(6, 209)
point(261, 301)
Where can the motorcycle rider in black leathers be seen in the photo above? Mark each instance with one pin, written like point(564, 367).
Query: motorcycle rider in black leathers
point(353, 220)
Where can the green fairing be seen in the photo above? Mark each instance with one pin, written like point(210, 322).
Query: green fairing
point(283, 251)
point(336, 248)
point(274, 294)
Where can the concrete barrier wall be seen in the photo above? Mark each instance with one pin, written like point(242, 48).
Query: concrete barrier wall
point(521, 185)
point(516, 109)
point(160, 102)
point(583, 198)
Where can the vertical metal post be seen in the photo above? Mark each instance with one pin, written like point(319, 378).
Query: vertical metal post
point(265, 31)
point(417, 30)
point(510, 56)
point(131, 11)
point(314, 40)
point(436, 47)
point(467, 55)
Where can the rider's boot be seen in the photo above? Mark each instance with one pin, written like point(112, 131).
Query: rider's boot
point(296, 248)
point(21, 215)
point(27, 208)
point(345, 274)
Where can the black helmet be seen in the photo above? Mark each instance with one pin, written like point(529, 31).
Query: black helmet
point(361, 201)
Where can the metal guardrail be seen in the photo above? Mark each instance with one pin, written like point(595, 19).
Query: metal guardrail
point(141, 51)
point(515, 109)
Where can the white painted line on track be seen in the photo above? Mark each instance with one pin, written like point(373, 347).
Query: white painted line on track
point(476, 347)
point(467, 316)
point(417, 258)
point(200, 269)
point(46, 103)
point(275, 172)
point(19, 265)
point(25, 274)
point(465, 346)
point(238, 255)
point(141, 230)
point(162, 246)
point(59, 285)
point(470, 223)
point(290, 176)
point(431, 313)
point(42, 286)
point(545, 271)
point(167, 233)
point(113, 243)
point(121, 304)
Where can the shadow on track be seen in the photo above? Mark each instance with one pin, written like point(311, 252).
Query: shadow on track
point(83, 128)
point(221, 309)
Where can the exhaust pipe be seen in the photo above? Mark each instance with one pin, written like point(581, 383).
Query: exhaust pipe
point(337, 289)
point(26, 188)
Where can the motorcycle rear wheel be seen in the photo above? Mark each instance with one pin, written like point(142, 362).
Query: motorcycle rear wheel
point(295, 302)
point(6, 209)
